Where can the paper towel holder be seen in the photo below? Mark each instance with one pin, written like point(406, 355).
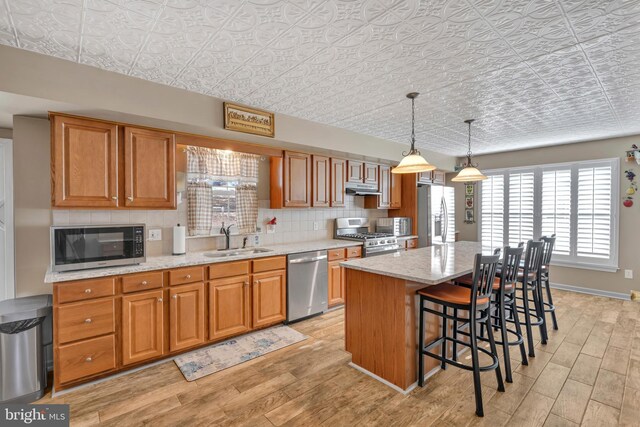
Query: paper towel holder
point(179, 240)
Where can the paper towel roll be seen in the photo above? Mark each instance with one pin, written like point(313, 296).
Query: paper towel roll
point(179, 240)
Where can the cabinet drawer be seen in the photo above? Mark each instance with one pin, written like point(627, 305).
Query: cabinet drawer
point(186, 275)
point(412, 243)
point(86, 289)
point(269, 264)
point(86, 358)
point(334, 254)
point(142, 281)
point(354, 252)
point(85, 320)
point(228, 269)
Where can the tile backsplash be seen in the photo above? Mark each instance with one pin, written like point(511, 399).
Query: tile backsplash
point(294, 225)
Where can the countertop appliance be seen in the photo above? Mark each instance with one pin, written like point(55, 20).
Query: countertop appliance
point(436, 215)
point(357, 229)
point(82, 247)
point(307, 285)
point(400, 226)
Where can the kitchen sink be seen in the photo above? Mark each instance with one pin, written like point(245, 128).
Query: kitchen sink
point(235, 252)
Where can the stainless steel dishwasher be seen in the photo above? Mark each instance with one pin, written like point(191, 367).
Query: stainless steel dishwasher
point(307, 285)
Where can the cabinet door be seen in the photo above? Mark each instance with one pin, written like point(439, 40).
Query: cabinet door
point(338, 177)
point(355, 171)
point(142, 326)
point(395, 201)
point(439, 177)
point(149, 171)
point(84, 166)
point(370, 173)
point(336, 283)
point(269, 298)
point(229, 307)
point(186, 316)
point(425, 177)
point(297, 180)
point(321, 181)
point(384, 186)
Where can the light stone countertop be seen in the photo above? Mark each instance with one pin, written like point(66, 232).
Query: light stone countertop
point(430, 265)
point(196, 258)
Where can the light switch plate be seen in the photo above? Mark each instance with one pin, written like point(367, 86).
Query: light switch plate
point(155, 234)
point(315, 226)
point(628, 274)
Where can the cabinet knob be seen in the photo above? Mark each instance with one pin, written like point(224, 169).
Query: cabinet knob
point(87, 291)
point(159, 299)
point(175, 296)
point(130, 199)
point(114, 197)
point(144, 282)
point(89, 359)
point(258, 282)
point(188, 276)
point(87, 320)
point(246, 283)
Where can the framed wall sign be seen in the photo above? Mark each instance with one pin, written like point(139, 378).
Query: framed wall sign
point(248, 120)
point(468, 202)
point(469, 217)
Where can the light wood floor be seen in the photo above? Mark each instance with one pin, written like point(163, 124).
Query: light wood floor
point(589, 374)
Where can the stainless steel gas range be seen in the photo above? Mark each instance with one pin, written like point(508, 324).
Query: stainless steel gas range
point(357, 229)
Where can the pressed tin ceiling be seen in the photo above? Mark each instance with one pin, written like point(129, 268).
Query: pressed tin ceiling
point(531, 72)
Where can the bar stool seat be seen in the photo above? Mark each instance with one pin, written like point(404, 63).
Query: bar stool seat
point(467, 281)
point(452, 294)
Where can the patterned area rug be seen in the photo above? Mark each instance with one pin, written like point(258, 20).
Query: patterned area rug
point(206, 361)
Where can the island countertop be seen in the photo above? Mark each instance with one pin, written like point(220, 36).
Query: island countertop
point(429, 266)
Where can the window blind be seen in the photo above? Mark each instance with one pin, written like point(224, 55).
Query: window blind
point(594, 212)
point(521, 195)
point(556, 208)
point(492, 213)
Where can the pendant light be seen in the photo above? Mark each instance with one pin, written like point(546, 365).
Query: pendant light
point(413, 161)
point(469, 172)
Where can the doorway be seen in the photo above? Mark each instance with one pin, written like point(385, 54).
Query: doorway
point(7, 273)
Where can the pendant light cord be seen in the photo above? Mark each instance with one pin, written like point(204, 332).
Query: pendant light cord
point(413, 124)
point(469, 151)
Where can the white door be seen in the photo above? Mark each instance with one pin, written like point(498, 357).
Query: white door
point(7, 287)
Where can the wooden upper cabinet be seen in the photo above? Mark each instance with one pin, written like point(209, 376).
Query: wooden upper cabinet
point(186, 316)
point(338, 177)
point(439, 177)
point(229, 307)
point(355, 171)
point(395, 197)
point(370, 173)
point(384, 200)
point(84, 168)
point(142, 326)
point(425, 177)
point(269, 298)
point(149, 168)
point(321, 190)
point(297, 180)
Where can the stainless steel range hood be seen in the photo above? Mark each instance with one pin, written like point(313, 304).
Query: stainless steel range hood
point(362, 189)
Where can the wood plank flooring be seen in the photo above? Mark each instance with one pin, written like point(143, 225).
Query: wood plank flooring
point(588, 374)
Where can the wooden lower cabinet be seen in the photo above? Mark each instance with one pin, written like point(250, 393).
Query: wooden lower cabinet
point(85, 358)
point(269, 298)
point(186, 316)
point(336, 283)
point(142, 326)
point(229, 307)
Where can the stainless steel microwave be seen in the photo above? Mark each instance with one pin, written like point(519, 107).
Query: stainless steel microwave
point(82, 247)
point(400, 226)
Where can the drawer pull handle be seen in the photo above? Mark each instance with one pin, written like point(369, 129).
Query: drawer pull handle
point(88, 320)
point(144, 282)
point(175, 296)
point(188, 276)
point(246, 283)
point(159, 299)
point(114, 197)
point(87, 291)
point(130, 199)
point(89, 359)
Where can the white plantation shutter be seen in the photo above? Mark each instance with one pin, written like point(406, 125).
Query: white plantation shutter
point(556, 208)
point(521, 195)
point(492, 213)
point(594, 212)
point(578, 202)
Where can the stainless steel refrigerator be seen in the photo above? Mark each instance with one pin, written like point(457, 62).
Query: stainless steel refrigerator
point(436, 215)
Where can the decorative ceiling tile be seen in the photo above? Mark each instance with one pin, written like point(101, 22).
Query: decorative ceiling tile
point(531, 72)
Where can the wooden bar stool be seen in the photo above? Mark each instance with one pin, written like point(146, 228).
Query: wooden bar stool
point(477, 302)
point(503, 306)
point(549, 243)
point(529, 277)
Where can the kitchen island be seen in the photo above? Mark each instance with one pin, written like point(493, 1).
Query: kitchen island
point(381, 309)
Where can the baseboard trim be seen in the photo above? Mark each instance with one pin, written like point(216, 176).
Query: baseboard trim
point(597, 292)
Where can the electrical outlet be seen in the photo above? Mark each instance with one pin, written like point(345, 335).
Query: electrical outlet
point(155, 234)
point(316, 226)
point(628, 274)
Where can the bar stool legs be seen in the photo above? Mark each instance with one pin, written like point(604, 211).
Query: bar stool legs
point(552, 308)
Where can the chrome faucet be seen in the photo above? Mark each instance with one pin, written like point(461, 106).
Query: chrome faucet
point(227, 234)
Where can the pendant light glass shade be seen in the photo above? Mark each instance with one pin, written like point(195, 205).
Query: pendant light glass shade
point(413, 162)
point(469, 172)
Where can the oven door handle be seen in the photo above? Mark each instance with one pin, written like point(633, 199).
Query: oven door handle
point(391, 248)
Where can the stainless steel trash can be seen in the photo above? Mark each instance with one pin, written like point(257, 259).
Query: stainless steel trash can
point(23, 372)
